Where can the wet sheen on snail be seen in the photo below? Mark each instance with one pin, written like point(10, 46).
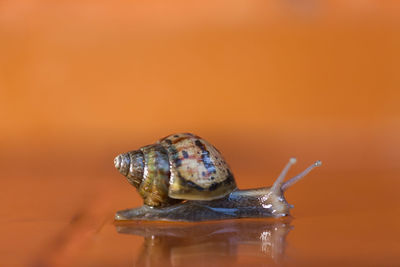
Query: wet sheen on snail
point(184, 178)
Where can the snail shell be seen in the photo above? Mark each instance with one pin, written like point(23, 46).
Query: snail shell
point(176, 168)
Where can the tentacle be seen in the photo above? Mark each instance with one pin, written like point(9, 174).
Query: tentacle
point(279, 181)
point(293, 180)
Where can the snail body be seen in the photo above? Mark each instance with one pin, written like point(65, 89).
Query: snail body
point(182, 177)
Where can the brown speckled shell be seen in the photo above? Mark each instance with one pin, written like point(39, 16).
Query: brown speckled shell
point(176, 168)
point(155, 182)
point(197, 169)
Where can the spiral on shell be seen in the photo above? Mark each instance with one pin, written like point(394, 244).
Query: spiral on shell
point(176, 168)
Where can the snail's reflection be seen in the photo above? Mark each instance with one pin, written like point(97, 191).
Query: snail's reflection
point(183, 244)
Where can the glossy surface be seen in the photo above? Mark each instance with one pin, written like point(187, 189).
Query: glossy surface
point(80, 231)
point(81, 81)
point(183, 244)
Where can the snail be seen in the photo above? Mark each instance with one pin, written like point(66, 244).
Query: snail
point(182, 177)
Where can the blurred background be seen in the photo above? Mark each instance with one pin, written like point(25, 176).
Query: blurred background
point(82, 81)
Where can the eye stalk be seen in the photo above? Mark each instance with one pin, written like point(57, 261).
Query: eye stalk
point(295, 179)
point(277, 186)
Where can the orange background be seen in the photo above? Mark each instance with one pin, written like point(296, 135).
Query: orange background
point(81, 82)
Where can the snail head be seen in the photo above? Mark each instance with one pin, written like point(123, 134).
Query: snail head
point(274, 195)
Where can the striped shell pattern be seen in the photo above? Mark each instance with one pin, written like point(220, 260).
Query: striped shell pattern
point(176, 168)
